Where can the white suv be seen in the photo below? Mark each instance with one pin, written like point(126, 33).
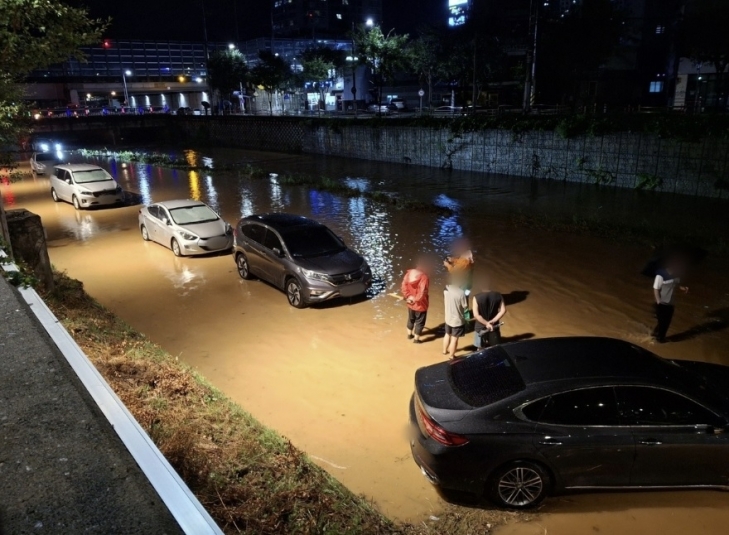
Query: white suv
point(84, 186)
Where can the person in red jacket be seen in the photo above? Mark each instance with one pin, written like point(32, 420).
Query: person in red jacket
point(415, 292)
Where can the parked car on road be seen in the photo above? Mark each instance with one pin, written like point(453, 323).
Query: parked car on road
point(84, 186)
point(448, 110)
point(523, 420)
point(382, 109)
point(398, 104)
point(42, 162)
point(186, 227)
point(299, 256)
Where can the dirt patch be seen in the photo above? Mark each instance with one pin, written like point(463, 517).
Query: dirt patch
point(249, 478)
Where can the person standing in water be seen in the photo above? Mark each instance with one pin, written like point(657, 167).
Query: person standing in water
point(460, 266)
point(456, 304)
point(488, 310)
point(666, 281)
point(415, 285)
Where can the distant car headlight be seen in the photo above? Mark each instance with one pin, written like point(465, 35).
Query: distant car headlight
point(313, 275)
point(44, 147)
point(58, 147)
point(188, 236)
point(84, 192)
point(59, 155)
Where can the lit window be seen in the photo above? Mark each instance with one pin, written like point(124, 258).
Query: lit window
point(656, 87)
point(339, 16)
point(660, 29)
point(345, 2)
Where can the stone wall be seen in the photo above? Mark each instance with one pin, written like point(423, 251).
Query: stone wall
point(622, 160)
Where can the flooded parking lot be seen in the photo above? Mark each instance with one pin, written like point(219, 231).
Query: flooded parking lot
point(336, 379)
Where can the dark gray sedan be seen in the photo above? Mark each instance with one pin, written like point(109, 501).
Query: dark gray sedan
point(300, 256)
point(523, 420)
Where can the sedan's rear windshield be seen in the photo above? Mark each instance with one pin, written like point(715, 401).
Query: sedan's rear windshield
point(485, 378)
point(93, 175)
point(308, 241)
point(191, 215)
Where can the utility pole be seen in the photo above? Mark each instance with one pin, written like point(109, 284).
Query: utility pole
point(354, 72)
point(529, 85)
point(473, 92)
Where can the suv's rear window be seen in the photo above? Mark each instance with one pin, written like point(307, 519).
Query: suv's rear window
point(485, 378)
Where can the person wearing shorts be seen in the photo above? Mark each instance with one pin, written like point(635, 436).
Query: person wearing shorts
point(488, 309)
point(456, 304)
point(414, 289)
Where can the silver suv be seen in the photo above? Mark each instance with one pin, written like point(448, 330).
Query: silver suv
point(84, 186)
point(299, 256)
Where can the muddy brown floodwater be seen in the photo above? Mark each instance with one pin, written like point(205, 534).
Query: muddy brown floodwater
point(336, 380)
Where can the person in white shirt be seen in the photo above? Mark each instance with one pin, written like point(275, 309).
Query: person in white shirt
point(666, 281)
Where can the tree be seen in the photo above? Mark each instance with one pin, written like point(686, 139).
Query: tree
point(426, 58)
point(383, 54)
point(706, 39)
point(34, 34)
point(575, 47)
point(227, 71)
point(271, 74)
point(320, 66)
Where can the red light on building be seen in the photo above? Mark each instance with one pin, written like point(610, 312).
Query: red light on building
point(107, 43)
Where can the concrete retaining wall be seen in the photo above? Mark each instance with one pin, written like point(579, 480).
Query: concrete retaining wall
point(621, 160)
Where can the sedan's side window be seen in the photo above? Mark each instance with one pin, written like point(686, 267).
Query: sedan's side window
point(58, 173)
point(586, 407)
point(153, 211)
point(162, 214)
point(272, 242)
point(654, 406)
point(254, 232)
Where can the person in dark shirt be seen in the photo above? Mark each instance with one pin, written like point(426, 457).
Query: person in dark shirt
point(488, 310)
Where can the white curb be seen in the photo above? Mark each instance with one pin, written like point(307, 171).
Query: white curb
point(179, 499)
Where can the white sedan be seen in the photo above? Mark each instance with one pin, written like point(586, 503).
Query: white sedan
point(41, 163)
point(186, 227)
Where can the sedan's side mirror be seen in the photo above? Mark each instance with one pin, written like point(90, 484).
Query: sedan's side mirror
point(277, 252)
point(166, 221)
point(68, 181)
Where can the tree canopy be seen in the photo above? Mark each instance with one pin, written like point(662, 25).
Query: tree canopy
point(271, 73)
point(227, 71)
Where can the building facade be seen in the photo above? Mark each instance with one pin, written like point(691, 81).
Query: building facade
point(322, 18)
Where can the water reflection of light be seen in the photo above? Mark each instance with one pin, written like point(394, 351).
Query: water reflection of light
point(112, 167)
point(182, 277)
point(207, 162)
point(360, 184)
point(276, 201)
point(447, 228)
point(324, 203)
point(246, 204)
point(446, 202)
point(175, 176)
point(369, 226)
point(212, 193)
point(194, 185)
point(81, 227)
point(143, 181)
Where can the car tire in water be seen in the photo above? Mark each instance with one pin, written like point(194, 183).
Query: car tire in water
point(76, 204)
point(176, 247)
point(54, 195)
point(519, 485)
point(294, 294)
point(145, 233)
point(244, 269)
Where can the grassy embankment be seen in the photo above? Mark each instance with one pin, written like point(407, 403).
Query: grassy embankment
point(250, 479)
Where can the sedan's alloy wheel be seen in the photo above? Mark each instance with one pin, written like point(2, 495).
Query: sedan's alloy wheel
point(242, 263)
point(76, 204)
point(54, 195)
point(521, 486)
point(176, 248)
point(293, 293)
point(145, 233)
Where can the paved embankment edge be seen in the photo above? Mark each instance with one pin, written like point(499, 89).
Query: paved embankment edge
point(174, 493)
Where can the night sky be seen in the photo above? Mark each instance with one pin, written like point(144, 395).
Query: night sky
point(182, 19)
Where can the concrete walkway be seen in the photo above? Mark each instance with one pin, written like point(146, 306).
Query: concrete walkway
point(62, 468)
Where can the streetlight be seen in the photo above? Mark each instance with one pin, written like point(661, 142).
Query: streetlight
point(370, 23)
point(231, 46)
point(126, 91)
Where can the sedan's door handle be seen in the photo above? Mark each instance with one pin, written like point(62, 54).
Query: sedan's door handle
point(550, 442)
point(650, 442)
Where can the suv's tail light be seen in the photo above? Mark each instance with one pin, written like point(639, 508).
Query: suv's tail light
point(435, 431)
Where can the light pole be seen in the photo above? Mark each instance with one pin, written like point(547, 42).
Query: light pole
point(126, 92)
point(354, 72)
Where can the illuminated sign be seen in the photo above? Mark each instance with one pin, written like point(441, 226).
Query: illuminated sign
point(452, 3)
